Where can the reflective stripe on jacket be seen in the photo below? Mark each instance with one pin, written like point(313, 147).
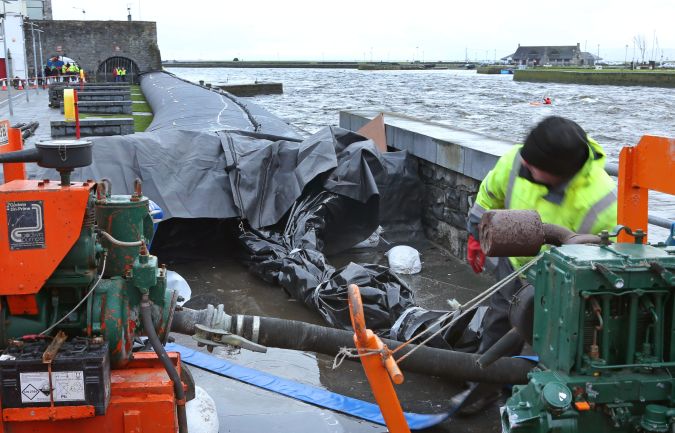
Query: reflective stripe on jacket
point(586, 204)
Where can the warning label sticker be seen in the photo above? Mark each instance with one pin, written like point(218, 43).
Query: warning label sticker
point(25, 222)
point(4, 132)
point(68, 386)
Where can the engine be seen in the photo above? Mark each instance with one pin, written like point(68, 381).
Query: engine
point(604, 330)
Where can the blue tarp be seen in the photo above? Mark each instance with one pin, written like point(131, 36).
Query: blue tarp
point(308, 394)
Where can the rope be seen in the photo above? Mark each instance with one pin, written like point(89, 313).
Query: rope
point(352, 352)
point(470, 305)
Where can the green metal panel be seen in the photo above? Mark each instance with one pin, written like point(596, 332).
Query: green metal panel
point(604, 329)
point(126, 219)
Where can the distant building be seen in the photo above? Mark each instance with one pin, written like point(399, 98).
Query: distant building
point(564, 55)
point(39, 9)
point(31, 9)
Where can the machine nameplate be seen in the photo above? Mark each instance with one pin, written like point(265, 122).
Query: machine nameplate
point(25, 223)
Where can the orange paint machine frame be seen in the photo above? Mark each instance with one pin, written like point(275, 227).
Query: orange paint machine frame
point(142, 395)
point(142, 400)
point(647, 166)
point(59, 212)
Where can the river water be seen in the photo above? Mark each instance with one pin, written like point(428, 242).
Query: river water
point(493, 105)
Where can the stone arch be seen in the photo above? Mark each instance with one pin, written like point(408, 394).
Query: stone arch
point(105, 68)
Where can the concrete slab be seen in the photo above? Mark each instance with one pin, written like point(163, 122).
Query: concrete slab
point(103, 107)
point(92, 127)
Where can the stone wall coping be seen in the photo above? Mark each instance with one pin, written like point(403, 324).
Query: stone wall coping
point(101, 103)
point(465, 152)
point(104, 92)
point(96, 121)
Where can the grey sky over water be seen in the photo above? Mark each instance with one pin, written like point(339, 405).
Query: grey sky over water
point(390, 30)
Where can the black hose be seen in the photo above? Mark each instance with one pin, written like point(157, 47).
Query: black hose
point(149, 327)
point(501, 348)
point(291, 334)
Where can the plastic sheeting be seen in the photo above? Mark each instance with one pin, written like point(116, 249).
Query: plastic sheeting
point(208, 154)
point(309, 394)
point(325, 221)
point(180, 104)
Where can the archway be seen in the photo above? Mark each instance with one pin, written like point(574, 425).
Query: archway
point(105, 69)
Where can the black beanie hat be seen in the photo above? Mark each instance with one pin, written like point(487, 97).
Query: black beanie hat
point(557, 146)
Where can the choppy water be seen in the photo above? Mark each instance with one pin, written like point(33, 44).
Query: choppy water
point(494, 105)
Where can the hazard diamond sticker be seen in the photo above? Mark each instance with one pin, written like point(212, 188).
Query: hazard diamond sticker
point(29, 392)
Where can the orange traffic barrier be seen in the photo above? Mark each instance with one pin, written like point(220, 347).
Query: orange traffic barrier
point(380, 367)
point(649, 165)
point(10, 141)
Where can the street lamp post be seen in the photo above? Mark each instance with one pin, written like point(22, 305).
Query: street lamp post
point(25, 60)
point(4, 43)
point(35, 66)
point(41, 58)
point(625, 56)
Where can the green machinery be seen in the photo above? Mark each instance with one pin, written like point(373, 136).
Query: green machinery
point(604, 330)
point(97, 288)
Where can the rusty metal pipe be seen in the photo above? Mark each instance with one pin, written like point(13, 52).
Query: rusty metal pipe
point(559, 235)
point(521, 233)
point(511, 233)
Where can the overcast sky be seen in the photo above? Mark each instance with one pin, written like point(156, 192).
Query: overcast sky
point(389, 30)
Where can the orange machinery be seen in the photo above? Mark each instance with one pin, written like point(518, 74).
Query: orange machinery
point(648, 166)
point(51, 258)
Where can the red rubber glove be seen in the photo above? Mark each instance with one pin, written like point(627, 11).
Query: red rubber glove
point(474, 255)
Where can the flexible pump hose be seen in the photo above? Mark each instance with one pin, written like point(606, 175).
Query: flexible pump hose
point(291, 334)
point(149, 327)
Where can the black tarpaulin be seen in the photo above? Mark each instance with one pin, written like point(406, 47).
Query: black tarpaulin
point(210, 155)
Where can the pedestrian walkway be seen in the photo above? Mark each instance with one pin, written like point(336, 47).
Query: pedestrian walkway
point(35, 110)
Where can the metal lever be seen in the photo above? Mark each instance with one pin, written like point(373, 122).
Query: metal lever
point(664, 273)
point(212, 337)
point(613, 278)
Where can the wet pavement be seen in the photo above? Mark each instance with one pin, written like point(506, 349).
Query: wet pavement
point(221, 278)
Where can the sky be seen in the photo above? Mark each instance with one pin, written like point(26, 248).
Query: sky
point(391, 30)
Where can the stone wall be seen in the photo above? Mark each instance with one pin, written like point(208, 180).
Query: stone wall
point(452, 163)
point(600, 77)
point(448, 196)
point(90, 43)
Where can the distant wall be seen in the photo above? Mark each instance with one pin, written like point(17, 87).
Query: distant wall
point(652, 79)
point(90, 43)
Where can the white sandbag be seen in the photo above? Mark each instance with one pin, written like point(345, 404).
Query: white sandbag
point(174, 281)
point(201, 413)
point(404, 260)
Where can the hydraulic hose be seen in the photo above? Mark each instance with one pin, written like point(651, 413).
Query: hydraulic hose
point(559, 235)
point(291, 334)
point(149, 327)
point(505, 344)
